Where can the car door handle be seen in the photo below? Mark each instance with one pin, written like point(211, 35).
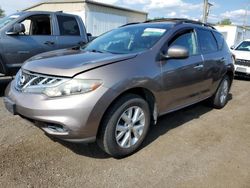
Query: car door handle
point(49, 43)
point(222, 59)
point(198, 66)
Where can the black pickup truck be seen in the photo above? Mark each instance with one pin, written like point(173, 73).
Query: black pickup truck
point(25, 34)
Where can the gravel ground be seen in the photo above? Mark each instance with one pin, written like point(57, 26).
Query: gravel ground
point(195, 147)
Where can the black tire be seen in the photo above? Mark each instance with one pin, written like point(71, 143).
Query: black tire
point(2, 68)
point(216, 101)
point(107, 135)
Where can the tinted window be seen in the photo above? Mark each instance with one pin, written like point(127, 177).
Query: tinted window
point(37, 25)
point(207, 41)
point(186, 40)
point(219, 39)
point(68, 25)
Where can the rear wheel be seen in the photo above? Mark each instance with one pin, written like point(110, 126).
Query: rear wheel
point(220, 98)
point(124, 126)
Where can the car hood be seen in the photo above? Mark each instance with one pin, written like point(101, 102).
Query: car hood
point(69, 62)
point(241, 54)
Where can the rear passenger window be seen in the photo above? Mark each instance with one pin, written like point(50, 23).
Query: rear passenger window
point(220, 40)
point(207, 41)
point(68, 25)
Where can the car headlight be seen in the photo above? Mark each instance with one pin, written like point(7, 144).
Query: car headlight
point(28, 82)
point(71, 87)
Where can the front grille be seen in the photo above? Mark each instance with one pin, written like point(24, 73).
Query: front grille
point(26, 79)
point(242, 62)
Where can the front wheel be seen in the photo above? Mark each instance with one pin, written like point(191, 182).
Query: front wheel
point(124, 126)
point(220, 98)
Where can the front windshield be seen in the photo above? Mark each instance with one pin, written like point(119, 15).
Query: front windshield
point(128, 39)
point(244, 46)
point(4, 21)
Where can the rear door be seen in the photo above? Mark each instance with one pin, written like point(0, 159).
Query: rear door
point(70, 32)
point(182, 78)
point(213, 56)
point(38, 38)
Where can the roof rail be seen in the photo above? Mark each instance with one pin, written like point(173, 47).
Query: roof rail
point(131, 23)
point(165, 20)
point(180, 21)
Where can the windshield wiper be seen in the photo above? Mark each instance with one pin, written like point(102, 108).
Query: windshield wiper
point(97, 51)
point(103, 51)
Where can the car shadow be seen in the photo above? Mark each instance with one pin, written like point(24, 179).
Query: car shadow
point(165, 124)
point(242, 78)
point(3, 84)
point(91, 150)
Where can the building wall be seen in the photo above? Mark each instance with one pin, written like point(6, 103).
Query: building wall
point(97, 19)
point(98, 22)
point(100, 19)
point(233, 34)
point(229, 33)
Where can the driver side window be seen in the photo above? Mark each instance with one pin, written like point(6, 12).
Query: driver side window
point(37, 25)
point(187, 40)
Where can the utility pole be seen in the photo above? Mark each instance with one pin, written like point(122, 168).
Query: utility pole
point(245, 23)
point(206, 7)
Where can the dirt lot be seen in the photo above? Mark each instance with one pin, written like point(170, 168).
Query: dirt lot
point(194, 147)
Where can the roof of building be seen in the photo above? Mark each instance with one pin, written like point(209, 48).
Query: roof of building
point(85, 1)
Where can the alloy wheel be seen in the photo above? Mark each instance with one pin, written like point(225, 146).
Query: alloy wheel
point(130, 127)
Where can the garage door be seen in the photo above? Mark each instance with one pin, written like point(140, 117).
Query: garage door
point(98, 23)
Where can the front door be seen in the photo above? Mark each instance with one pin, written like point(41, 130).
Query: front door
point(182, 79)
point(36, 39)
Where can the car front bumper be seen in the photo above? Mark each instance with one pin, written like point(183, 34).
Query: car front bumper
point(242, 69)
point(72, 118)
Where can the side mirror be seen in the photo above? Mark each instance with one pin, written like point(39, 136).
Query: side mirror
point(232, 47)
point(17, 28)
point(176, 52)
point(90, 37)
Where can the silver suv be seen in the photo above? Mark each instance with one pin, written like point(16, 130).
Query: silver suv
point(112, 89)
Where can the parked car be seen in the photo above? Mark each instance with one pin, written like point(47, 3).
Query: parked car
point(114, 87)
point(25, 34)
point(242, 58)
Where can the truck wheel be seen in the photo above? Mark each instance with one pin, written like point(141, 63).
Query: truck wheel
point(124, 126)
point(220, 98)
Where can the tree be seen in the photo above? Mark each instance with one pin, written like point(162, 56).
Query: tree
point(1, 13)
point(225, 21)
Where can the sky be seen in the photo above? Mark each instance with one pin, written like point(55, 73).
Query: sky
point(235, 10)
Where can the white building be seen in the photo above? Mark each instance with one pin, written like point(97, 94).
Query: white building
point(97, 17)
point(233, 34)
